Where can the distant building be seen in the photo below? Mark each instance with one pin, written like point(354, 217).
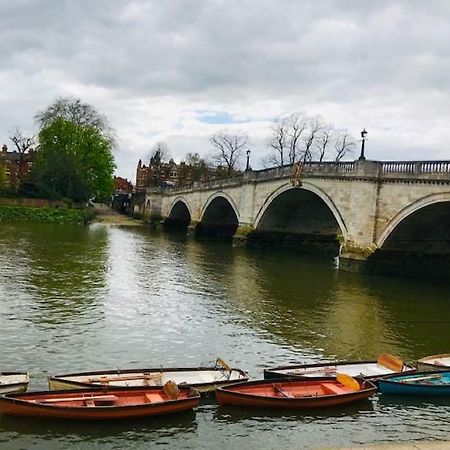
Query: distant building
point(14, 166)
point(158, 174)
point(122, 185)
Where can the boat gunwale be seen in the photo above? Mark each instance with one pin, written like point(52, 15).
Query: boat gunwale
point(62, 378)
point(372, 389)
point(428, 361)
point(274, 370)
point(11, 398)
point(425, 373)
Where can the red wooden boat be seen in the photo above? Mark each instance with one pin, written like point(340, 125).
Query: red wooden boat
point(101, 404)
point(291, 393)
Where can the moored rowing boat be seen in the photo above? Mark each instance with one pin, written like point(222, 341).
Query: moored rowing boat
point(291, 393)
point(385, 365)
point(101, 404)
point(420, 383)
point(204, 379)
point(434, 362)
point(13, 382)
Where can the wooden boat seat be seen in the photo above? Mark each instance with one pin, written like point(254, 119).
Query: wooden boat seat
point(333, 389)
point(148, 398)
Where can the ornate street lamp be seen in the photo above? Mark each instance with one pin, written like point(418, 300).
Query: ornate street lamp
point(247, 167)
point(363, 140)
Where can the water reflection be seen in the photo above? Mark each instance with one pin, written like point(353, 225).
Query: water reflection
point(16, 431)
point(86, 298)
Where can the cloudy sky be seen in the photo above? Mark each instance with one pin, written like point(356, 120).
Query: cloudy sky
point(180, 70)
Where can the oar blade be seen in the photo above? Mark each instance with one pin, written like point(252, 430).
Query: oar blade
point(348, 381)
point(390, 362)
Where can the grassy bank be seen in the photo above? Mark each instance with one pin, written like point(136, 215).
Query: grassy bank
point(49, 215)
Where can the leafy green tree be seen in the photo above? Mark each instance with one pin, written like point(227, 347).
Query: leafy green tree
point(73, 161)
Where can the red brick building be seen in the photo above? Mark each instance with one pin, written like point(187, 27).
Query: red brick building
point(14, 166)
point(122, 185)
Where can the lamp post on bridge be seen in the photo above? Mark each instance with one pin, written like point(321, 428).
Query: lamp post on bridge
point(363, 140)
point(247, 167)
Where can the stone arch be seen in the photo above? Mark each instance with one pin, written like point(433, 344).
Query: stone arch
point(309, 187)
point(216, 195)
point(409, 211)
point(219, 217)
point(179, 199)
point(179, 214)
point(304, 218)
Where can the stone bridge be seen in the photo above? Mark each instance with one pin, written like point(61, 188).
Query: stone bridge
point(380, 217)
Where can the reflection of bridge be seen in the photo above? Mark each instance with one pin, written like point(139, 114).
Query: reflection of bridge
point(375, 215)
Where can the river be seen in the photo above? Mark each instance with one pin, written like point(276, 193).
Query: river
point(78, 298)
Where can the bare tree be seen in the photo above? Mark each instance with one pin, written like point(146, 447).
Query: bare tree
point(285, 140)
point(228, 149)
point(324, 140)
point(279, 143)
point(76, 111)
point(23, 145)
point(159, 155)
point(297, 124)
point(315, 127)
point(343, 145)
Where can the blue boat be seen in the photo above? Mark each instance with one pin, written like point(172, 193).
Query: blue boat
point(419, 383)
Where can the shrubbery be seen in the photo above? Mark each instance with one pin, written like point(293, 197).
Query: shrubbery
point(48, 215)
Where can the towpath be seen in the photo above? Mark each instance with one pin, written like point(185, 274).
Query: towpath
point(108, 216)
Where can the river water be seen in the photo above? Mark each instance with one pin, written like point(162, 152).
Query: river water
point(84, 298)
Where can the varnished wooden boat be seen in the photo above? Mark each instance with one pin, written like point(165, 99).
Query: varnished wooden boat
point(385, 365)
point(204, 379)
point(13, 382)
point(434, 362)
point(420, 383)
point(101, 404)
point(318, 392)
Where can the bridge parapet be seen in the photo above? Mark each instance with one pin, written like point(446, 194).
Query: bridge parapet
point(389, 170)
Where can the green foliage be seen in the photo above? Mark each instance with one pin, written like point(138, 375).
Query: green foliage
point(49, 215)
point(74, 162)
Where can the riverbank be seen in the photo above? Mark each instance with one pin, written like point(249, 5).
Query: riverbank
point(105, 215)
point(45, 214)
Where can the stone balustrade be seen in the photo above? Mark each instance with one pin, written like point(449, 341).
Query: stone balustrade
point(388, 170)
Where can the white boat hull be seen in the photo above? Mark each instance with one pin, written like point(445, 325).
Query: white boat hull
point(204, 380)
point(13, 382)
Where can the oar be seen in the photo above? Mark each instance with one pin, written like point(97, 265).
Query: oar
point(107, 379)
point(348, 381)
point(420, 378)
point(318, 369)
point(390, 362)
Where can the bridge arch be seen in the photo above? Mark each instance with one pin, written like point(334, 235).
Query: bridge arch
point(304, 217)
point(425, 205)
point(311, 188)
point(219, 217)
point(179, 214)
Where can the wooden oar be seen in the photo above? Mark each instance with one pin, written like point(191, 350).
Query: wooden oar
point(390, 362)
point(107, 379)
point(222, 363)
point(420, 378)
point(105, 398)
point(314, 370)
point(348, 381)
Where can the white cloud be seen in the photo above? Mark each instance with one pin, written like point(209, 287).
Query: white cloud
point(151, 66)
